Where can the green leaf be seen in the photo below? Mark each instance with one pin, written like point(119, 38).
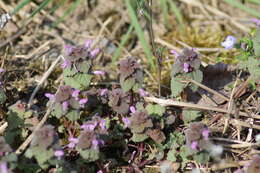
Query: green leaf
point(256, 43)
point(155, 109)
point(190, 115)
point(42, 155)
point(90, 155)
point(73, 115)
point(171, 155)
point(2, 96)
point(79, 81)
point(254, 68)
point(127, 84)
point(196, 75)
point(137, 137)
point(57, 110)
point(202, 157)
point(176, 86)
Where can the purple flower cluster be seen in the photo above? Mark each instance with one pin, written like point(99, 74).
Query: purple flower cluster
point(186, 62)
point(74, 54)
point(197, 136)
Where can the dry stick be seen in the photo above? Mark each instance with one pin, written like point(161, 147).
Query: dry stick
point(209, 89)
point(10, 39)
point(169, 102)
point(3, 127)
point(29, 138)
point(45, 76)
point(225, 165)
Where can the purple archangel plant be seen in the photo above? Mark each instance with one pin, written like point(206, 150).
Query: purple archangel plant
point(186, 66)
point(131, 76)
point(119, 101)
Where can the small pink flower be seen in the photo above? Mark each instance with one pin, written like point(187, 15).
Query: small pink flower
point(2, 70)
point(82, 102)
point(3, 167)
point(142, 92)
point(205, 134)
point(49, 96)
point(68, 49)
point(73, 141)
point(100, 171)
point(94, 52)
point(102, 124)
point(65, 106)
point(75, 94)
point(88, 44)
point(89, 126)
point(256, 21)
point(58, 154)
point(99, 72)
point(132, 109)
point(194, 145)
point(126, 122)
point(96, 143)
point(66, 63)
point(174, 52)
point(103, 92)
point(186, 67)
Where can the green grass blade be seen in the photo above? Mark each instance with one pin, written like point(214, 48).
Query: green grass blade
point(164, 7)
point(123, 41)
point(243, 7)
point(72, 7)
point(41, 6)
point(140, 34)
point(254, 1)
point(176, 12)
point(19, 6)
point(58, 6)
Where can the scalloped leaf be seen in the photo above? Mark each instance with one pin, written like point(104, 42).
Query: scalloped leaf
point(79, 81)
point(176, 86)
point(196, 75)
point(256, 42)
point(190, 115)
point(137, 137)
point(127, 84)
point(155, 109)
point(57, 110)
point(89, 155)
point(73, 115)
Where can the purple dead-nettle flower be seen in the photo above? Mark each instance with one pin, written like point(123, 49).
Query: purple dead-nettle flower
point(90, 126)
point(100, 171)
point(50, 96)
point(142, 92)
point(96, 143)
point(256, 21)
point(73, 141)
point(194, 145)
point(66, 63)
point(132, 109)
point(65, 106)
point(229, 42)
point(68, 49)
point(102, 124)
point(186, 67)
point(94, 52)
point(205, 134)
point(103, 92)
point(126, 122)
point(75, 94)
point(82, 102)
point(3, 167)
point(99, 72)
point(174, 52)
point(88, 44)
point(59, 154)
point(2, 70)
